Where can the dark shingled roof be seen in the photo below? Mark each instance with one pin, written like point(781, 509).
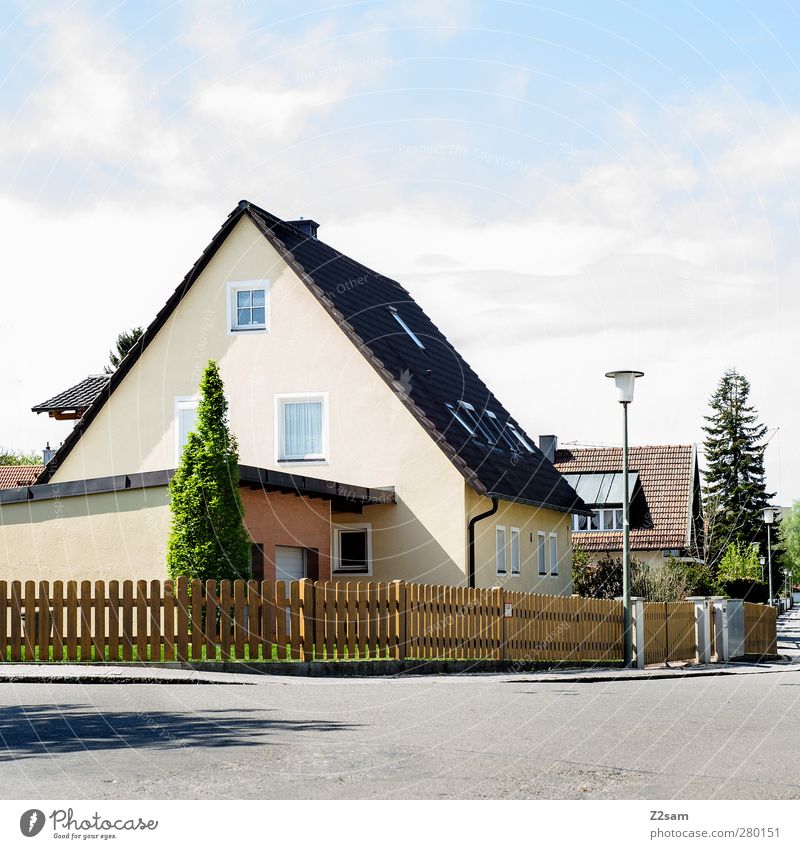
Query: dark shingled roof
point(78, 397)
point(668, 478)
point(426, 379)
point(14, 476)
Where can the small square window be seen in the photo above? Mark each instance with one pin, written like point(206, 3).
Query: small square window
point(248, 305)
point(352, 549)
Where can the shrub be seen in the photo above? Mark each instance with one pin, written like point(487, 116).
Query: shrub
point(745, 588)
point(600, 579)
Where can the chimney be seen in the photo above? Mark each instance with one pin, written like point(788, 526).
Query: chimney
point(47, 454)
point(549, 445)
point(308, 226)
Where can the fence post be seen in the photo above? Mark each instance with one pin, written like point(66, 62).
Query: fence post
point(400, 630)
point(637, 623)
point(306, 618)
point(702, 628)
point(500, 628)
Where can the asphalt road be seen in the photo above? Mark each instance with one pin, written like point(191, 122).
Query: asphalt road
point(420, 737)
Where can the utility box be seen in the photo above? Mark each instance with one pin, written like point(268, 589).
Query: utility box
point(735, 624)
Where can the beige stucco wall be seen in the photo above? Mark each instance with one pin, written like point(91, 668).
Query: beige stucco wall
point(529, 520)
point(96, 537)
point(374, 440)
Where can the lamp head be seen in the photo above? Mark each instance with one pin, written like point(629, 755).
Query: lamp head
point(624, 380)
point(769, 515)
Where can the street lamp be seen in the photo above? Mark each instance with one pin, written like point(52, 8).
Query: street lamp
point(625, 380)
point(762, 560)
point(769, 517)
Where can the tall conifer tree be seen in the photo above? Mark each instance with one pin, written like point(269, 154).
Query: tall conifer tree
point(208, 538)
point(735, 491)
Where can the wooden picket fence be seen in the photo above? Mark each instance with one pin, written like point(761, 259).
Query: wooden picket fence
point(332, 620)
point(302, 620)
point(760, 629)
point(669, 632)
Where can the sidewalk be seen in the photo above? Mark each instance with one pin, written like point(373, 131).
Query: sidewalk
point(789, 634)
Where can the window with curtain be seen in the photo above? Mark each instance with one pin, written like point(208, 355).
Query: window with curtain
point(302, 428)
point(553, 554)
point(541, 553)
point(515, 558)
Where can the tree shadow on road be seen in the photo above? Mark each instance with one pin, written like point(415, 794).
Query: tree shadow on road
point(41, 730)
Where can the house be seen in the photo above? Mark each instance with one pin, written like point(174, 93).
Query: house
point(14, 476)
point(368, 447)
point(666, 517)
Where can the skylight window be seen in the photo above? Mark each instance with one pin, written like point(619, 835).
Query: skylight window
point(500, 436)
point(405, 327)
point(478, 427)
point(461, 420)
point(520, 438)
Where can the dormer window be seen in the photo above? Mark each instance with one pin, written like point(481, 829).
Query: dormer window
point(397, 317)
point(247, 306)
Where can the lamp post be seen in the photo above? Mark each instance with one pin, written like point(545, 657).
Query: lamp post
point(769, 517)
point(762, 560)
point(625, 380)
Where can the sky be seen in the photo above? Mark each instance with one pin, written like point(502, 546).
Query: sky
point(565, 187)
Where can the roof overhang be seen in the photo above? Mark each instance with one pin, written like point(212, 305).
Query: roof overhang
point(267, 479)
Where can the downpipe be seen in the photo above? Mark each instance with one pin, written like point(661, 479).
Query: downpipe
point(471, 536)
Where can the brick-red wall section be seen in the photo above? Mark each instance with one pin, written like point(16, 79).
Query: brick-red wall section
point(276, 519)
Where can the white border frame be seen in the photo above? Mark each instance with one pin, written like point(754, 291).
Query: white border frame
point(280, 397)
point(355, 526)
point(182, 402)
point(230, 288)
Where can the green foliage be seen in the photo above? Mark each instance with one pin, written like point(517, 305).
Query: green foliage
point(125, 341)
point(739, 561)
point(735, 492)
point(599, 579)
point(10, 457)
point(208, 538)
point(789, 542)
point(745, 588)
point(665, 581)
point(698, 577)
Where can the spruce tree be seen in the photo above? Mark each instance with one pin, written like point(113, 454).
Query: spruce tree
point(125, 341)
point(735, 491)
point(208, 538)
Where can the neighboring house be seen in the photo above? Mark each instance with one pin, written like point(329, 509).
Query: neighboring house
point(666, 509)
point(368, 446)
point(13, 476)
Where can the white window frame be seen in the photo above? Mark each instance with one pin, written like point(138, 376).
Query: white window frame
point(280, 401)
point(551, 549)
point(600, 515)
point(336, 547)
point(516, 562)
point(541, 553)
point(182, 402)
point(500, 549)
point(232, 288)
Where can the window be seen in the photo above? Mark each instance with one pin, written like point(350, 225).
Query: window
point(500, 558)
point(247, 305)
point(554, 554)
point(352, 549)
point(405, 327)
point(185, 421)
point(478, 427)
point(514, 546)
point(541, 553)
point(519, 437)
point(460, 419)
point(605, 519)
point(301, 427)
point(499, 435)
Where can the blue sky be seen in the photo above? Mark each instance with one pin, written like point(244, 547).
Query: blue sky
point(564, 187)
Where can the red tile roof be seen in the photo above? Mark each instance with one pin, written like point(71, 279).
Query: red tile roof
point(667, 478)
point(11, 476)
